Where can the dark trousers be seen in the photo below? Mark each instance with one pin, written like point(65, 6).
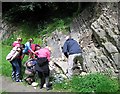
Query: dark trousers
point(43, 79)
point(42, 68)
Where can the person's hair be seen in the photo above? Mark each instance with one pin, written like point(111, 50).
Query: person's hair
point(37, 46)
point(31, 39)
point(68, 37)
point(19, 39)
point(22, 46)
point(48, 47)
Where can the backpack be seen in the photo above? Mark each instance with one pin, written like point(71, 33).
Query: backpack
point(13, 53)
point(30, 67)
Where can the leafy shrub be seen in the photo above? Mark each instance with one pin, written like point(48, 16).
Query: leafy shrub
point(27, 31)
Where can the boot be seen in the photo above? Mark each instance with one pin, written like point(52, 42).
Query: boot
point(49, 86)
point(17, 78)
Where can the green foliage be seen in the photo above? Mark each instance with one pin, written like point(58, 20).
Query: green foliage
point(27, 31)
point(89, 83)
point(9, 40)
point(37, 12)
point(6, 66)
point(57, 24)
point(4, 92)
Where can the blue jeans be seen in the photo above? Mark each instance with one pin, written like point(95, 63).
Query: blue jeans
point(15, 69)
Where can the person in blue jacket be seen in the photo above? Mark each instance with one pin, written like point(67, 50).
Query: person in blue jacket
point(28, 47)
point(73, 52)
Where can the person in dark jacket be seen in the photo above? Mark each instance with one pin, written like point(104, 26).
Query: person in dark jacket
point(73, 52)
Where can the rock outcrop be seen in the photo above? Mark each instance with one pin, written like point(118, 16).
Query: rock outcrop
point(99, 37)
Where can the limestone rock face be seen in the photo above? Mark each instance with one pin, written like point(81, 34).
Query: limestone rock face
point(99, 39)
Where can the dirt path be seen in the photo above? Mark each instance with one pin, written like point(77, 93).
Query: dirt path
point(8, 85)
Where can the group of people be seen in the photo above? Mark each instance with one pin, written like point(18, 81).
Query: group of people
point(41, 55)
point(71, 50)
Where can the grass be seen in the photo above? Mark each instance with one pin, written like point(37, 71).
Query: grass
point(4, 92)
point(89, 83)
point(6, 66)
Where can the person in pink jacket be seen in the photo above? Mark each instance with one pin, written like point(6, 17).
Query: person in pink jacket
point(43, 52)
point(17, 61)
point(42, 66)
point(17, 43)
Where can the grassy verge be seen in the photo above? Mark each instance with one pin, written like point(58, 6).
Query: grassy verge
point(6, 66)
point(89, 83)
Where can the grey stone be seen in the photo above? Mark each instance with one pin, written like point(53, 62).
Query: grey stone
point(110, 47)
